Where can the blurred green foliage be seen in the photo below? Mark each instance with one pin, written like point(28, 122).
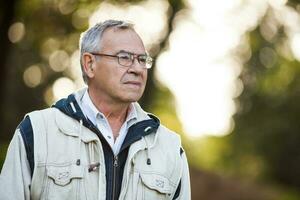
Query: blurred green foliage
point(264, 146)
point(267, 118)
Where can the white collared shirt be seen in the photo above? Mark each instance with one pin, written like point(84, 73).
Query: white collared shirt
point(99, 120)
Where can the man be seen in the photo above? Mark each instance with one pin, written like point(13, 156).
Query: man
point(98, 143)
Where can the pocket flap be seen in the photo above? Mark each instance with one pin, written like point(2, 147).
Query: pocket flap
point(62, 175)
point(157, 182)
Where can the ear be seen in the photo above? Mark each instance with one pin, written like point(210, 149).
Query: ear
point(88, 64)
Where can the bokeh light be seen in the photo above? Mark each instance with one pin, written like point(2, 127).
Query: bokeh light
point(49, 46)
point(295, 45)
point(66, 6)
point(59, 60)
point(79, 18)
point(74, 70)
point(16, 32)
point(32, 76)
point(62, 87)
point(49, 96)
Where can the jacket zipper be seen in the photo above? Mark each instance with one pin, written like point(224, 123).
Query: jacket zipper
point(115, 165)
point(115, 160)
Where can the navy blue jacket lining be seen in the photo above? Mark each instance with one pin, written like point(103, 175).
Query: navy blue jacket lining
point(27, 136)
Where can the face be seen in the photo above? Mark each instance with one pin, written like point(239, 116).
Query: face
point(112, 81)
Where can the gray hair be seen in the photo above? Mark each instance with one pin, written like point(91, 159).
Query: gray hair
point(90, 39)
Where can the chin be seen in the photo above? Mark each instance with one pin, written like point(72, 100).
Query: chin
point(132, 98)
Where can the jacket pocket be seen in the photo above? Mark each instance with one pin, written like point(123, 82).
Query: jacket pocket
point(154, 187)
point(65, 182)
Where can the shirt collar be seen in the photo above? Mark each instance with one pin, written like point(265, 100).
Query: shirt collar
point(131, 115)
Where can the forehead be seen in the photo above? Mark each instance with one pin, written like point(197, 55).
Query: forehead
point(116, 39)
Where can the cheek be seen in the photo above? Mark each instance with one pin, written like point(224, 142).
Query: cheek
point(111, 75)
point(144, 75)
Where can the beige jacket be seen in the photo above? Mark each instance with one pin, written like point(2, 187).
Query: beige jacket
point(58, 142)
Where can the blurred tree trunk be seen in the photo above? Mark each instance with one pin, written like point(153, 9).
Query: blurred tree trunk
point(7, 13)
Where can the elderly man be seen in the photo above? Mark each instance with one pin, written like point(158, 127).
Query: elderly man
point(98, 143)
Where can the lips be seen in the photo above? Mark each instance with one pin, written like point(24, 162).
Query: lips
point(135, 84)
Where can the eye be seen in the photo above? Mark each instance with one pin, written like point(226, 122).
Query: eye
point(124, 56)
point(142, 59)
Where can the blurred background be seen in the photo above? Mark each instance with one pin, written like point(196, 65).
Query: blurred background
point(226, 77)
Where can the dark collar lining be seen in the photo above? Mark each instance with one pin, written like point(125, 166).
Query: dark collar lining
point(135, 132)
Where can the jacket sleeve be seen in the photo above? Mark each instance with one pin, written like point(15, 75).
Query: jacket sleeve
point(185, 189)
point(15, 176)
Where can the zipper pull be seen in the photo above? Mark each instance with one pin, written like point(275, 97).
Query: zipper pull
point(116, 161)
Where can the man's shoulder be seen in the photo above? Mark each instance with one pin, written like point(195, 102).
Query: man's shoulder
point(41, 112)
point(168, 135)
point(33, 118)
point(168, 132)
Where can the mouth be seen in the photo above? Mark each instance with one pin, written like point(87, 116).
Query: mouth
point(134, 84)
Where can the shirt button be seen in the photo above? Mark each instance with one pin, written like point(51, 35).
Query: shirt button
point(109, 137)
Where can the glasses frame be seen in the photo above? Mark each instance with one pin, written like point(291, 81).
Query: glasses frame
point(133, 57)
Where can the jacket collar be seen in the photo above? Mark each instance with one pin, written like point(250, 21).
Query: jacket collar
point(146, 123)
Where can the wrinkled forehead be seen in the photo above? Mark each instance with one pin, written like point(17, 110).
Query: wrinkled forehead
point(117, 39)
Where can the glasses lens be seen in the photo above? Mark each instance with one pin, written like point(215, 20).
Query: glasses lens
point(149, 62)
point(142, 59)
point(145, 61)
point(125, 59)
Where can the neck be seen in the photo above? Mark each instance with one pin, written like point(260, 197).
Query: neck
point(115, 112)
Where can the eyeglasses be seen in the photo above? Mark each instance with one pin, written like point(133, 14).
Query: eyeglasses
point(126, 58)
